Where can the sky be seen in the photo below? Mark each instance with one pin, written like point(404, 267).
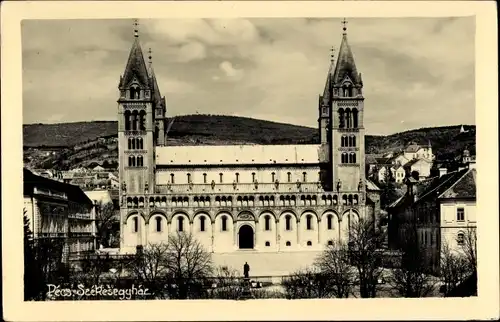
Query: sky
point(417, 72)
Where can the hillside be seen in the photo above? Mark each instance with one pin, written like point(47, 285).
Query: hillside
point(76, 144)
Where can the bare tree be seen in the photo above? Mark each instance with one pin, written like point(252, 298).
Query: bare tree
point(457, 265)
point(412, 278)
point(469, 248)
point(150, 267)
point(188, 263)
point(307, 283)
point(365, 255)
point(333, 262)
point(105, 218)
point(228, 284)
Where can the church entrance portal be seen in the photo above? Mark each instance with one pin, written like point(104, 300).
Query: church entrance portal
point(246, 237)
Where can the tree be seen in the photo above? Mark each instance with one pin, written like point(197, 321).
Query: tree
point(365, 255)
point(469, 248)
point(150, 268)
point(188, 264)
point(412, 279)
point(458, 265)
point(307, 283)
point(33, 283)
point(334, 264)
point(105, 218)
point(388, 194)
point(228, 284)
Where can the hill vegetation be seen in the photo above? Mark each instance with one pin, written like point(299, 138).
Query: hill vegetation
point(77, 144)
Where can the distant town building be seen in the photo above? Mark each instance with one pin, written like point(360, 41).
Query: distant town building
point(60, 211)
point(440, 209)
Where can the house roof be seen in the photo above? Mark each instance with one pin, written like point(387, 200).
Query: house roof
point(73, 192)
point(434, 187)
point(414, 161)
point(412, 148)
point(428, 189)
point(465, 187)
point(370, 185)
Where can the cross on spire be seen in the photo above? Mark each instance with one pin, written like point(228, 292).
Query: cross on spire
point(344, 22)
point(136, 28)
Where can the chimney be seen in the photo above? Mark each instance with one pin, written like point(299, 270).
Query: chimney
point(442, 171)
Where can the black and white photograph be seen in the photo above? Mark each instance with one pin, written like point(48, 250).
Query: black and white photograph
point(238, 159)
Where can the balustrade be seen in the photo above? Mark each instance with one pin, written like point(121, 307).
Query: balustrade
point(236, 200)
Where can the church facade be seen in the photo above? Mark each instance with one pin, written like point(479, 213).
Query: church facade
point(266, 198)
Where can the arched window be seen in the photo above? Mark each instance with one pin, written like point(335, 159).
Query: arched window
point(344, 158)
point(224, 223)
point(329, 222)
point(180, 224)
point(341, 118)
point(348, 118)
point(139, 144)
point(136, 225)
point(202, 223)
point(204, 178)
point(131, 161)
point(355, 118)
point(460, 238)
point(309, 243)
point(352, 157)
point(142, 121)
point(344, 200)
point(304, 176)
point(353, 141)
point(127, 120)
point(135, 120)
point(309, 222)
point(268, 244)
point(172, 178)
point(237, 177)
point(289, 175)
point(350, 199)
point(220, 177)
point(330, 243)
point(140, 161)
point(273, 175)
point(130, 142)
point(288, 222)
point(267, 222)
point(158, 223)
point(189, 177)
point(157, 133)
point(356, 199)
point(288, 243)
point(253, 176)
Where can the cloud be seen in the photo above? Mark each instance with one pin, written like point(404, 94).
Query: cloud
point(411, 67)
point(230, 72)
point(191, 51)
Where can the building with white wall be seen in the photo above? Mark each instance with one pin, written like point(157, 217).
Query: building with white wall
point(261, 198)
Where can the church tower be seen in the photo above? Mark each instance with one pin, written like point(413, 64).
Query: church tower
point(342, 132)
point(141, 117)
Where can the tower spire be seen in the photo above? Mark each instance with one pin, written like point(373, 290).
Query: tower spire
point(136, 28)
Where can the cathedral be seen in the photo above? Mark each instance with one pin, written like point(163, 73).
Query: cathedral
point(234, 198)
